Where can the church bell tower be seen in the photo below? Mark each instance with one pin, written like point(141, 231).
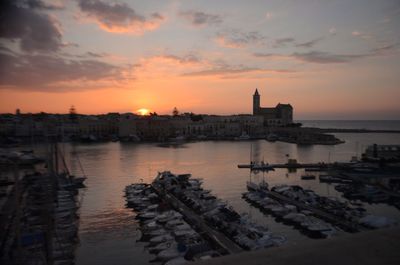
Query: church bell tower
point(256, 102)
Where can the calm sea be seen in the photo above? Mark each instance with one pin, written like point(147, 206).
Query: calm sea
point(109, 231)
point(357, 124)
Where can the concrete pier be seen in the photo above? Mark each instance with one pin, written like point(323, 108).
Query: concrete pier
point(378, 247)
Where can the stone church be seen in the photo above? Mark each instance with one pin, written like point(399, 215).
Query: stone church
point(281, 115)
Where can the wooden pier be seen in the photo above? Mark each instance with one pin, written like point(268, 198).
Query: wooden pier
point(194, 219)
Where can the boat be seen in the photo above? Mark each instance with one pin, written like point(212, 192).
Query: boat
point(243, 137)
point(307, 177)
point(329, 179)
point(153, 225)
point(157, 232)
point(173, 223)
point(160, 239)
point(169, 254)
point(263, 186)
point(177, 261)
point(185, 233)
point(147, 215)
point(263, 166)
point(271, 137)
point(162, 246)
point(251, 186)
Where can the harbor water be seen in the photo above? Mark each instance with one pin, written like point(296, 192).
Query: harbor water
point(109, 231)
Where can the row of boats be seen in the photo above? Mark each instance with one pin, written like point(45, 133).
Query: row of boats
point(45, 227)
point(338, 213)
point(288, 213)
point(22, 158)
point(216, 213)
point(329, 206)
point(170, 238)
point(367, 193)
point(183, 222)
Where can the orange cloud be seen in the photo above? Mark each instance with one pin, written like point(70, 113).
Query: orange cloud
point(119, 17)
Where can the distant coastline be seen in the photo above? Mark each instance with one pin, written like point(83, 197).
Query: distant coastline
point(358, 126)
point(128, 127)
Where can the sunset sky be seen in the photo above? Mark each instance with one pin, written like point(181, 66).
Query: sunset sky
point(333, 59)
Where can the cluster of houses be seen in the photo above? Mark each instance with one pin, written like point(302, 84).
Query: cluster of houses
point(130, 126)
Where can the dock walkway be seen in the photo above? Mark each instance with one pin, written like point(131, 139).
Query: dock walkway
point(196, 220)
point(321, 166)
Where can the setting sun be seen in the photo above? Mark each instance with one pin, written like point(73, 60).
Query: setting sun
point(143, 111)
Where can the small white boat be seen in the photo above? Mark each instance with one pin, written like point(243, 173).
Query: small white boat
point(185, 233)
point(176, 261)
point(308, 177)
point(160, 239)
point(163, 246)
point(183, 226)
point(243, 137)
point(251, 186)
point(173, 223)
point(153, 225)
point(147, 215)
point(271, 137)
point(169, 254)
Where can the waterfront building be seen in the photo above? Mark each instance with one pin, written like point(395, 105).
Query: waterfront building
point(153, 128)
point(226, 126)
point(94, 126)
point(127, 125)
point(280, 115)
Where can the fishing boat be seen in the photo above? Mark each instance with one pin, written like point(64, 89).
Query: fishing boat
point(307, 177)
point(262, 166)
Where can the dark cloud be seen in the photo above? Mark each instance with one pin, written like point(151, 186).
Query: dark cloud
point(34, 30)
point(309, 44)
point(385, 49)
point(265, 55)
point(282, 42)
point(239, 39)
point(97, 55)
point(222, 71)
point(45, 72)
point(315, 57)
point(330, 58)
point(118, 17)
point(231, 70)
point(182, 59)
point(326, 58)
point(43, 5)
point(198, 18)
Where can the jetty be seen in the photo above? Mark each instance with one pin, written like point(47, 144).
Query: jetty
point(321, 166)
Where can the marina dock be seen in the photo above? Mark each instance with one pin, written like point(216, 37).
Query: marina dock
point(218, 238)
point(335, 220)
point(321, 166)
